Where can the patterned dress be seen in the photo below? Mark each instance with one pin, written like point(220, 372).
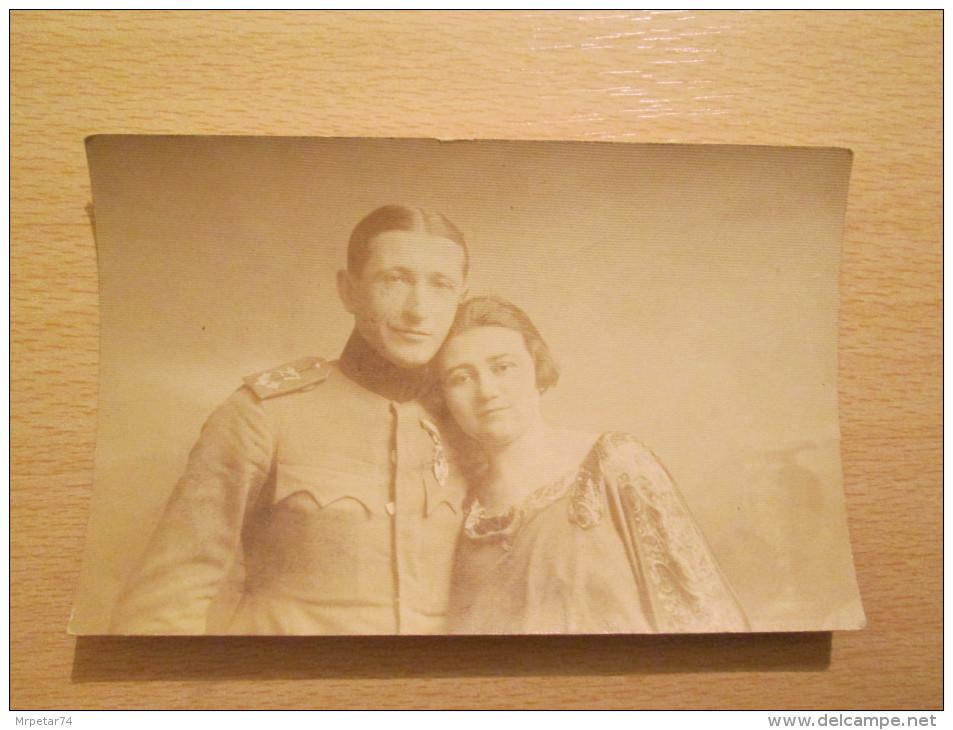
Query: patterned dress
point(610, 548)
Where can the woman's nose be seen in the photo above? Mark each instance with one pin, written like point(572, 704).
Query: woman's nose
point(489, 388)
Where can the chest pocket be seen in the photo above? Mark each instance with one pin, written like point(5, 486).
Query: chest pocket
point(338, 484)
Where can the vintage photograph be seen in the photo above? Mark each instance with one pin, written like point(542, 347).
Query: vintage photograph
point(408, 386)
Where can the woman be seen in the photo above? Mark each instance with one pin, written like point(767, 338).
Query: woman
point(564, 532)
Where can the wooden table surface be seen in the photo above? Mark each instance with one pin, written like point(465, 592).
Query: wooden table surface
point(870, 81)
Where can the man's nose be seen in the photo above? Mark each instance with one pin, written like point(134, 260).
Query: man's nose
point(417, 304)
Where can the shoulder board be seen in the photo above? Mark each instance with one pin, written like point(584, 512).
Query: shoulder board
point(297, 375)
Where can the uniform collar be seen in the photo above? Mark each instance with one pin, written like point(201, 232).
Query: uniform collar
point(362, 364)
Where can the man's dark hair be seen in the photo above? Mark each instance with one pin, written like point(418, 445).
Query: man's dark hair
point(399, 218)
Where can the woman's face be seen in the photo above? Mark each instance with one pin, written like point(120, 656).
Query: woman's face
point(489, 383)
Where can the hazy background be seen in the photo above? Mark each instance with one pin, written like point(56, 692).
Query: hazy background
point(689, 294)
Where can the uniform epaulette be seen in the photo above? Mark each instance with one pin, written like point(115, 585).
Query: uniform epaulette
point(297, 375)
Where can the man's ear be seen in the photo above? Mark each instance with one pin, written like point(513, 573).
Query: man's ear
point(346, 290)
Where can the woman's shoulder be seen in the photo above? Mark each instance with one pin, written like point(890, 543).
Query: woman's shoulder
point(614, 447)
point(617, 461)
point(587, 447)
point(577, 444)
point(624, 454)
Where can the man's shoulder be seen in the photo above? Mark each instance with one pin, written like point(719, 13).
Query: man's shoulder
point(299, 375)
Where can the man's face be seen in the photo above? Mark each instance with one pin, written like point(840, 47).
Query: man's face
point(406, 296)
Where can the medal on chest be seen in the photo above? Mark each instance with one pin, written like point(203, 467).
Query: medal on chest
point(439, 464)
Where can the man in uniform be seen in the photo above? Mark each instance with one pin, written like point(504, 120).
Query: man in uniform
point(326, 492)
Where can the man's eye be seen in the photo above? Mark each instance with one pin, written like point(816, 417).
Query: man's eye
point(444, 286)
point(502, 367)
point(459, 379)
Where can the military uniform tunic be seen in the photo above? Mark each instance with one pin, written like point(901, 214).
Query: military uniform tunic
point(334, 508)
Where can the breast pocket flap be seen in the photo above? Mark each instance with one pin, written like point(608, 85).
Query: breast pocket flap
point(330, 487)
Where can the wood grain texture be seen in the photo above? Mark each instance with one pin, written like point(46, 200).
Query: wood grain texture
point(871, 81)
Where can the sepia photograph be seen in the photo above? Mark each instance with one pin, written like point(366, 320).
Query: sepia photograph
point(358, 386)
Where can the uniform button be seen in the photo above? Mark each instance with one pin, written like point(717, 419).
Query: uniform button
point(391, 508)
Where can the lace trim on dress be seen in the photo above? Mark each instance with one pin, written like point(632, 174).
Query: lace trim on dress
point(481, 524)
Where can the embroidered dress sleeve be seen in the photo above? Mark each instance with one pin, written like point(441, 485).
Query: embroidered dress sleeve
point(685, 591)
point(197, 541)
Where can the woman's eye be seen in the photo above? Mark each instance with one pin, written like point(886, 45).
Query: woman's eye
point(502, 367)
point(461, 379)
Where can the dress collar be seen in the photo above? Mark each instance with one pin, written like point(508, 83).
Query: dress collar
point(362, 364)
point(480, 523)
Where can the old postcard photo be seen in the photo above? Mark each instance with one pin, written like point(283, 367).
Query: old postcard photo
point(406, 386)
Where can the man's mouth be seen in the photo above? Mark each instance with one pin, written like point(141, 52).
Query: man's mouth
point(411, 333)
point(491, 411)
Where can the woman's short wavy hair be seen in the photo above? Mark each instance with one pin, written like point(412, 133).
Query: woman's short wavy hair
point(498, 312)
